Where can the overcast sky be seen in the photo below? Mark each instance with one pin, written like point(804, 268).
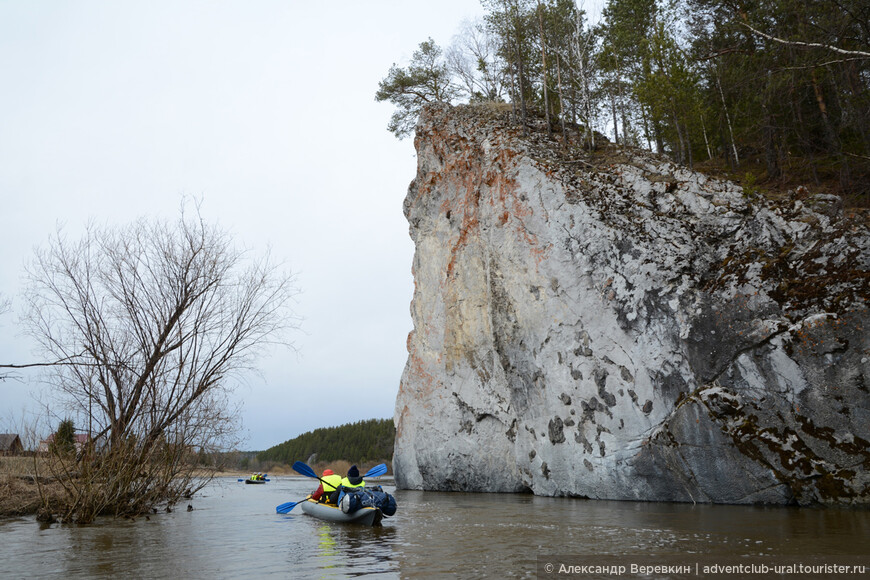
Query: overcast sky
point(112, 110)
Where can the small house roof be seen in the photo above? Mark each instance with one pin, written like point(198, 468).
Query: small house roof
point(8, 441)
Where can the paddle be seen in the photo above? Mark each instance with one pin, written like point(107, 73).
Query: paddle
point(285, 508)
point(303, 469)
point(375, 471)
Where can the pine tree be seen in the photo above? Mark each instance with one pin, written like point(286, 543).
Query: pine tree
point(65, 438)
point(426, 80)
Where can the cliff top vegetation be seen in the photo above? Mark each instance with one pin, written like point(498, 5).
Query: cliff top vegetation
point(772, 94)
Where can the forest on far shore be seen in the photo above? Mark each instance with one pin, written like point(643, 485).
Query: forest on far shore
point(363, 442)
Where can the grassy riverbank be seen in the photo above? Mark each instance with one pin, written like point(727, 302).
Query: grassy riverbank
point(24, 484)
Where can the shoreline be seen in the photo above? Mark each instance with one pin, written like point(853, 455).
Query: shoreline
point(20, 482)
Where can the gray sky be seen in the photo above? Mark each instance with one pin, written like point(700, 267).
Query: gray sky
point(111, 110)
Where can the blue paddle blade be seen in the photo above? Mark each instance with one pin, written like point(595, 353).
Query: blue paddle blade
point(285, 508)
point(300, 467)
point(376, 471)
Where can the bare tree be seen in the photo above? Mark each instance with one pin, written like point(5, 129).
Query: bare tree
point(473, 59)
point(857, 54)
point(582, 48)
point(4, 308)
point(153, 323)
point(544, 80)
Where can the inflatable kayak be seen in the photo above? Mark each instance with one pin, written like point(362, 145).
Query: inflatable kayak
point(256, 480)
point(367, 516)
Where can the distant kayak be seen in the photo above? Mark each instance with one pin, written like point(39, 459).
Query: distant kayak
point(256, 480)
point(367, 516)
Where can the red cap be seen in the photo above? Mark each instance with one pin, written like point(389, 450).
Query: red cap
point(327, 472)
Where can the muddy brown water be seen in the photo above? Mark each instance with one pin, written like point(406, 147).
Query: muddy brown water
point(233, 531)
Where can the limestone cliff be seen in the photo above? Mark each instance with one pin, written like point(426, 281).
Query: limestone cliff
point(616, 326)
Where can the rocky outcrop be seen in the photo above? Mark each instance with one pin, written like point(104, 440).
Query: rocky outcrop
point(612, 325)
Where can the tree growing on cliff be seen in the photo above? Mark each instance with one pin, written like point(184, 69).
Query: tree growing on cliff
point(151, 323)
point(512, 22)
point(472, 58)
point(426, 80)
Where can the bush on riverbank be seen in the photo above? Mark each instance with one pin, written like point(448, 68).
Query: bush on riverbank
point(77, 487)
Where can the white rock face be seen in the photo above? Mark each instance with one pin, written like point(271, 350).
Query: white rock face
point(615, 326)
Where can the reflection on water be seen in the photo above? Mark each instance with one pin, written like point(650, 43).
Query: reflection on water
point(494, 534)
point(233, 530)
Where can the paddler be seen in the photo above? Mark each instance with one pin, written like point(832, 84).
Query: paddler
point(353, 480)
point(329, 482)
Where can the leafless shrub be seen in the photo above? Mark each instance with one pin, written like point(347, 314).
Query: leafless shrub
point(150, 324)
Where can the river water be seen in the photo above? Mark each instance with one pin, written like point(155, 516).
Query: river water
point(233, 531)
